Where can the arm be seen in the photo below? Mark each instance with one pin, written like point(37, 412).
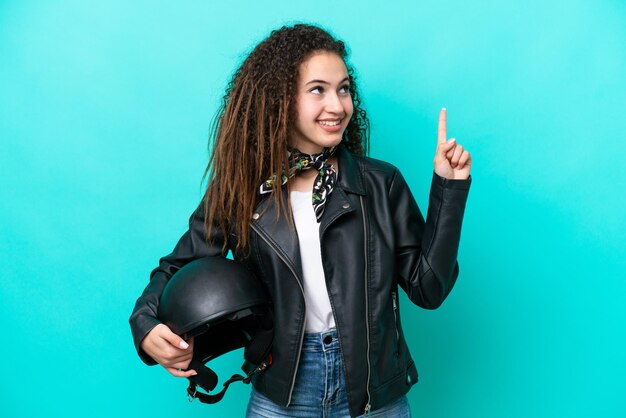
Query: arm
point(190, 246)
point(426, 265)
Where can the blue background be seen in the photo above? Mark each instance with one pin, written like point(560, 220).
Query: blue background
point(104, 116)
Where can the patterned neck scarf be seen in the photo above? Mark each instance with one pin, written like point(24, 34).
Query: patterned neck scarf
point(324, 182)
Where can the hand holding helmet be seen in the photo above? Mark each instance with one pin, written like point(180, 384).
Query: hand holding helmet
point(169, 350)
point(220, 306)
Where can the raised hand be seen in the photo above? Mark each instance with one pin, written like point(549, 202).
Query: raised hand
point(451, 160)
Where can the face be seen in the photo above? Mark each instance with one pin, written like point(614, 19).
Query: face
point(323, 103)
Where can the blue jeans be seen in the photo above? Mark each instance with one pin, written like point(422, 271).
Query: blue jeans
point(319, 391)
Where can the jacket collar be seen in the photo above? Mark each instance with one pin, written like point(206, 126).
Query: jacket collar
point(350, 178)
point(277, 233)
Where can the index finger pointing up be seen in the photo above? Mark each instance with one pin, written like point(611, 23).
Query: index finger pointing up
point(441, 137)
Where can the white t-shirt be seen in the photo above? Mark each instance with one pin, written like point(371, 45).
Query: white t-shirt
point(319, 314)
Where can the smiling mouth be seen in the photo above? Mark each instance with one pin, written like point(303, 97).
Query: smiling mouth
point(329, 122)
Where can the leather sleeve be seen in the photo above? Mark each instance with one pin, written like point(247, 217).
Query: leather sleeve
point(190, 246)
point(426, 252)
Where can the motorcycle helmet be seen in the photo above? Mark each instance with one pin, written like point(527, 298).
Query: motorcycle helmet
point(223, 306)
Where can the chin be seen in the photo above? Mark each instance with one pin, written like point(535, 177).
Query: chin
point(331, 143)
point(323, 141)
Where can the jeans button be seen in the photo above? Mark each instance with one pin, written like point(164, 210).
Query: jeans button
point(328, 339)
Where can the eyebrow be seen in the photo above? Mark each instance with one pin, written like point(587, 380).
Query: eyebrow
point(326, 82)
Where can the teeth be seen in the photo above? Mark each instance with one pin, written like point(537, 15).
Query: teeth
point(335, 123)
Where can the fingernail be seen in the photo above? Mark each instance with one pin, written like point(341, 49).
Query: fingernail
point(451, 140)
point(184, 345)
point(194, 373)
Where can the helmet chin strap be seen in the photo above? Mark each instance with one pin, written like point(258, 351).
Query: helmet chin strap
point(207, 380)
point(256, 352)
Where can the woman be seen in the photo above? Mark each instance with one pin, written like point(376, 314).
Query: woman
point(332, 243)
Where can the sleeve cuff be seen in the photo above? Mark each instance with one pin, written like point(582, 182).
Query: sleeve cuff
point(463, 184)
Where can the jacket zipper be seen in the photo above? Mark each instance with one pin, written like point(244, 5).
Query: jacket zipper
point(293, 380)
point(395, 320)
point(367, 326)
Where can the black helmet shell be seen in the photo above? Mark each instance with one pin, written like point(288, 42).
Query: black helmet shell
point(207, 291)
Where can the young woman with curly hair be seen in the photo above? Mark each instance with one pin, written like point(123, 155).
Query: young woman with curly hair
point(331, 232)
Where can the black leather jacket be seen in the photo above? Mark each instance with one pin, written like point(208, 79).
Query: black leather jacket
point(373, 239)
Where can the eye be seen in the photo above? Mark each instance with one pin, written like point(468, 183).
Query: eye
point(320, 88)
point(346, 88)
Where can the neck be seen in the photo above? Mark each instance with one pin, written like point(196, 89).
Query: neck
point(309, 149)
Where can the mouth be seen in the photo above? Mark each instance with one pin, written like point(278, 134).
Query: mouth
point(329, 122)
point(331, 125)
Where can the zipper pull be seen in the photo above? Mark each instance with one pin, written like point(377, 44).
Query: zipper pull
point(395, 321)
point(367, 409)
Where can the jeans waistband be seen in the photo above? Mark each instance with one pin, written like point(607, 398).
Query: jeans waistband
point(321, 341)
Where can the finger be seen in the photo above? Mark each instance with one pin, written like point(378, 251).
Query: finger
point(174, 339)
point(441, 137)
point(464, 159)
point(451, 146)
point(176, 358)
point(180, 373)
point(182, 363)
point(454, 161)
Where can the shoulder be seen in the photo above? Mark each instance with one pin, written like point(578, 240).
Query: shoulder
point(378, 177)
point(374, 166)
point(366, 175)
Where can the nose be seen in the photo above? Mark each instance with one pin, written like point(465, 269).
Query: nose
point(334, 104)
